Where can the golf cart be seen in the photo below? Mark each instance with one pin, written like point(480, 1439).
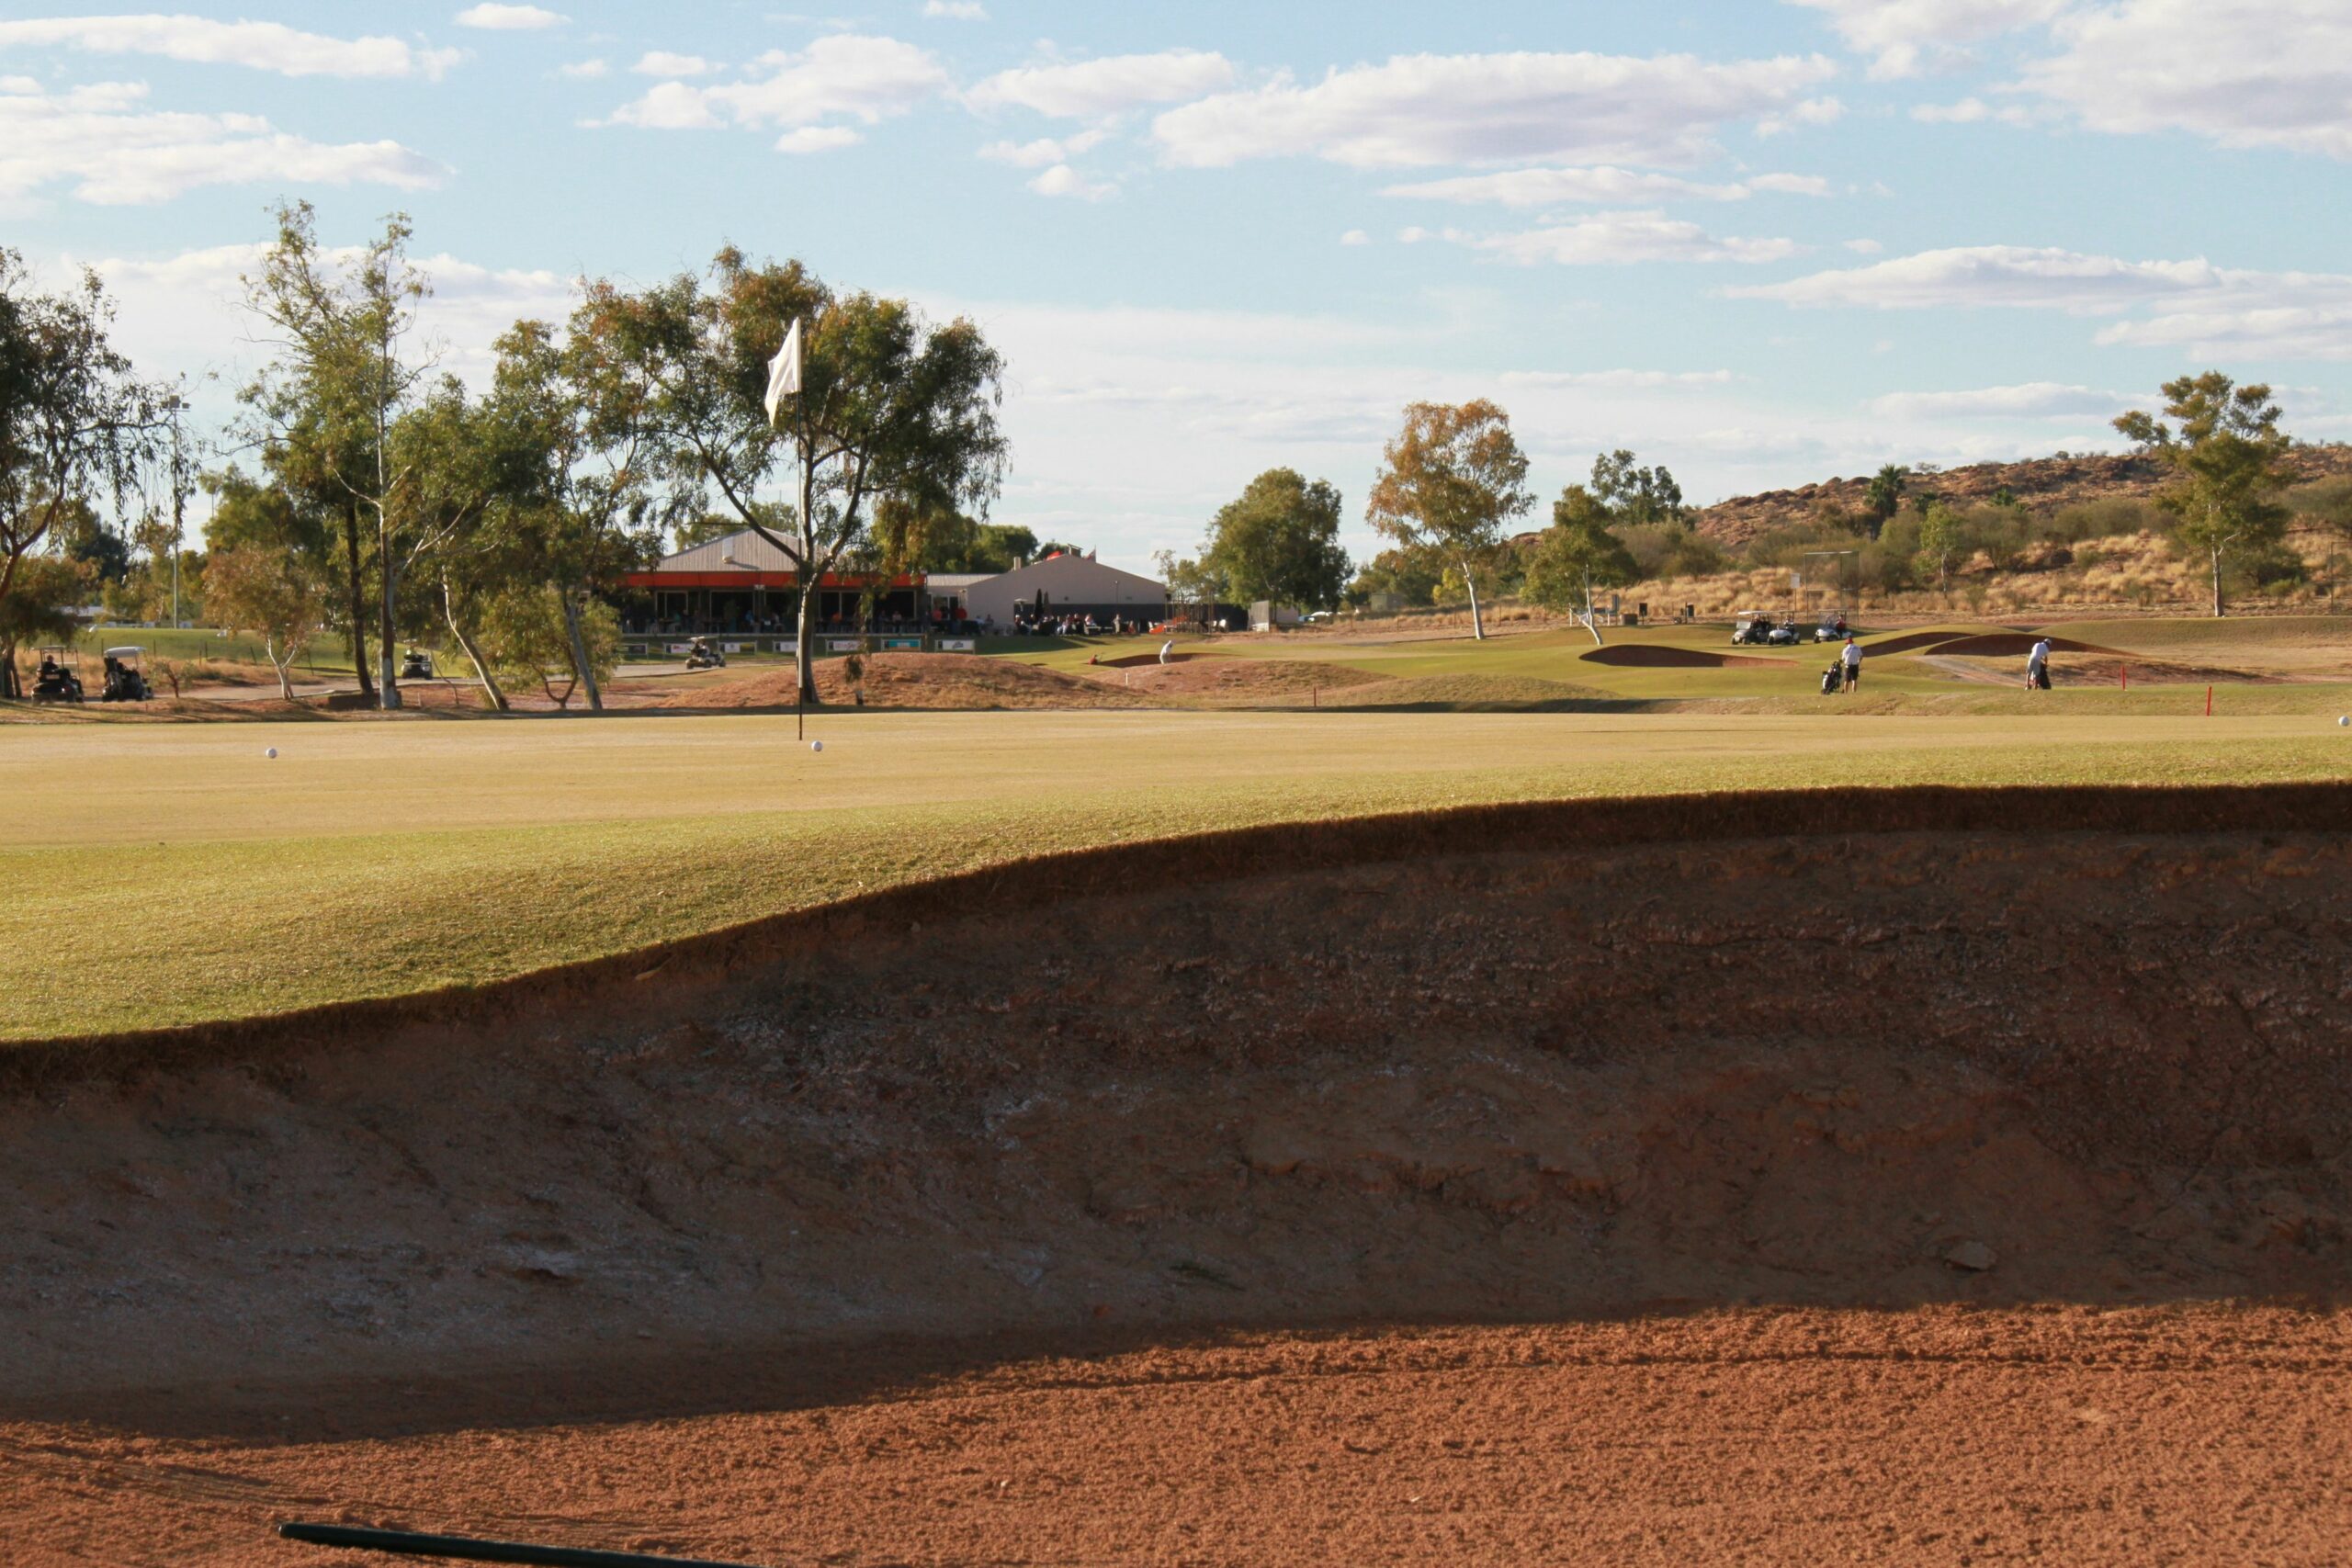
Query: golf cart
point(417, 665)
point(1833, 626)
point(59, 679)
point(702, 655)
point(1758, 628)
point(126, 681)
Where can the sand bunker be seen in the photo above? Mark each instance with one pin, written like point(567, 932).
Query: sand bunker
point(1652, 656)
point(1782, 1059)
point(932, 681)
point(1214, 679)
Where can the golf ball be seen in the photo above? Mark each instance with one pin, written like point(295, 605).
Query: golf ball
point(271, 753)
point(816, 745)
point(2346, 719)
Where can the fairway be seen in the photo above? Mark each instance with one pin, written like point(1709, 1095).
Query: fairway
point(380, 859)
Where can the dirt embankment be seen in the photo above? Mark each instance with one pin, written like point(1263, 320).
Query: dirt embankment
point(934, 680)
point(1517, 1065)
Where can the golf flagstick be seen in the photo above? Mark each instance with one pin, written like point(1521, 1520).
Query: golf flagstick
point(785, 374)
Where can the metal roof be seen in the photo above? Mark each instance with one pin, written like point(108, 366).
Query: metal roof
point(740, 551)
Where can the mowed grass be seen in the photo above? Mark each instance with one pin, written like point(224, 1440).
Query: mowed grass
point(162, 874)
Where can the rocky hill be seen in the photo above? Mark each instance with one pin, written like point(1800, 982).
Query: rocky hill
point(2043, 484)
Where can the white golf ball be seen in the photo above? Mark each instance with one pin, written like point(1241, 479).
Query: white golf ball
point(271, 753)
point(816, 745)
point(2346, 719)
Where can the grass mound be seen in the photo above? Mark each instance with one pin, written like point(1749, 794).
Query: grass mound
point(938, 681)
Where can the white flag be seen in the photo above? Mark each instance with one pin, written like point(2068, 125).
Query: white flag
point(783, 372)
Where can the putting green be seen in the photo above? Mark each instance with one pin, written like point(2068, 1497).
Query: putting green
point(168, 874)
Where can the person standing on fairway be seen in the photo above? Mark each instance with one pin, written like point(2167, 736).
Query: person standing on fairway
point(1853, 658)
point(2037, 667)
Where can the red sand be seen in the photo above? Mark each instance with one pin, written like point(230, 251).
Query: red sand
point(1948, 1195)
point(1652, 656)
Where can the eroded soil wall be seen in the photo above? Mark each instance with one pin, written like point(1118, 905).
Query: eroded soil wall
point(1473, 1080)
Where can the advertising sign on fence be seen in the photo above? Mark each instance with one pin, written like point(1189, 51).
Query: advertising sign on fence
point(959, 645)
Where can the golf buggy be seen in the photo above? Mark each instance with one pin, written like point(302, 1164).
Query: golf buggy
point(417, 665)
point(703, 655)
point(59, 679)
point(1758, 628)
point(126, 680)
point(1833, 628)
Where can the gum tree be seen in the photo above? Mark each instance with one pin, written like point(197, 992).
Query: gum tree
point(73, 422)
point(1448, 483)
point(890, 406)
point(2228, 459)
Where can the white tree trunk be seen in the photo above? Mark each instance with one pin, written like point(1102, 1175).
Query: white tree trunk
point(280, 664)
point(1591, 622)
point(2217, 582)
point(584, 673)
point(1470, 580)
point(473, 652)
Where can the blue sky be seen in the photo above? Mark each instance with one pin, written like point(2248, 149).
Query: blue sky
point(1763, 243)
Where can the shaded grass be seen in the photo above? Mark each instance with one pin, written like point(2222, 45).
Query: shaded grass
point(179, 879)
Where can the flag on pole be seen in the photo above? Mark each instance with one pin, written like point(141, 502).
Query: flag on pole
point(783, 372)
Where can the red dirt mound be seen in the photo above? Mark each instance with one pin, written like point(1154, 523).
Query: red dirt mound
point(1242, 679)
point(2011, 645)
point(957, 680)
point(1912, 642)
point(1809, 1157)
point(1651, 656)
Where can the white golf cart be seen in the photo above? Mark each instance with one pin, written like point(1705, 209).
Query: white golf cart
point(126, 676)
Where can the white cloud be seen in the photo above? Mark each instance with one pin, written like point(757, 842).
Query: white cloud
point(818, 139)
point(585, 70)
point(1550, 187)
point(1617, 238)
point(957, 10)
point(661, 62)
point(265, 46)
point(1616, 379)
point(1088, 89)
point(1994, 275)
point(2032, 400)
point(1971, 111)
point(1355, 237)
point(2242, 73)
point(1044, 151)
point(1864, 247)
point(1811, 112)
point(844, 75)
point(1902, 35)
point(1424, 110)
point(1063, 180)
point(500, 18)
point(186, 311)
point(2192, 306)
point(1790, 185)
point(117, 154)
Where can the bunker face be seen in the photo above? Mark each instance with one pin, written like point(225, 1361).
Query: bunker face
point(1794, 1075)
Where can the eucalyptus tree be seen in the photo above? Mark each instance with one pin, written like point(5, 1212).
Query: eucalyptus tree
point(2229, 462)
point(347, 369)
point(74, 421)
point(889, 405)
point(1447, 482)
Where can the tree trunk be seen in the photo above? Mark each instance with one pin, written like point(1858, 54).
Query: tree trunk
point(584, 674)
point(387, 623)
point(355, 631)
point(10, 689)
point(1470, 580)
point(2217, 582)
point(1591, 623)
point(473, 652)
point(285, 681)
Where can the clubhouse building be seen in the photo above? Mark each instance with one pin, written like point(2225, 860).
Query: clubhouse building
point(744, 592)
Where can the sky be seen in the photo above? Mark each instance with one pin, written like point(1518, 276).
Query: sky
point(1765, 243)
